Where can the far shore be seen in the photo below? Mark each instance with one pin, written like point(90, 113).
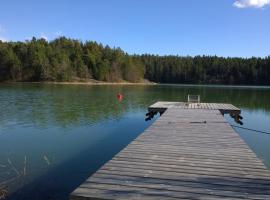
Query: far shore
point(144, 82)
point(90, 82)
point(97, 83)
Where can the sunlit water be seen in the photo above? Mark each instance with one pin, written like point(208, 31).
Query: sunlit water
point(53, 137)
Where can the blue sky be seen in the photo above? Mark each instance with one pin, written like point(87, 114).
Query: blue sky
point(180, 27)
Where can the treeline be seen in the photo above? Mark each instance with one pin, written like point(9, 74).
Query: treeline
point(207, 70)
point(67, 60)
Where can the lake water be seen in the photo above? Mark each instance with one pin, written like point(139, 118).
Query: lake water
point(53, 137)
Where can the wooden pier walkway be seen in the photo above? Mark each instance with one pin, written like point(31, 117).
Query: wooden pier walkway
point(188, 153)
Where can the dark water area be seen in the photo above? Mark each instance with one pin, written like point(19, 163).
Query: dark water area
point(53, 137)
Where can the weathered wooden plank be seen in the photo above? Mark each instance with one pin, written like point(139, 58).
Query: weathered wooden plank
point(179, 190)
point(223, 157)
point(136, 193)
point(220, 181)
point(174, 187)
point(193, 162)
point(197, 185)
point(192, 172)
point(194, 151)
point(198, 168)
point(190, 158)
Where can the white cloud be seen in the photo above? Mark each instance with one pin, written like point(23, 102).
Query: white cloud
point(28, 38)
point(44, 36)
point(251, 3)
point(3, 39)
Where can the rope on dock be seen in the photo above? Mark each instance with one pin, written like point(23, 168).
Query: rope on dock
point(250, 129)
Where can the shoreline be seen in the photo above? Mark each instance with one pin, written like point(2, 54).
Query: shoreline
point(95, 83)
point(146, 83)
point(81, 83)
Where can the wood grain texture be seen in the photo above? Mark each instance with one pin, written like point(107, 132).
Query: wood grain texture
point(190, 152)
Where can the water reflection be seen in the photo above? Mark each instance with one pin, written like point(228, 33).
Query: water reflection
point(52, 137)
point(65, 106)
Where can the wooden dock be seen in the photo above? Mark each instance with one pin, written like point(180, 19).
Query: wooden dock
point(224, 108)
point(190, 152)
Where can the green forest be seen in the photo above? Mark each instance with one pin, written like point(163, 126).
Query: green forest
point(65, 59)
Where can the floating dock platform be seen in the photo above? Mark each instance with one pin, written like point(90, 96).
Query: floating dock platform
point(190, 152)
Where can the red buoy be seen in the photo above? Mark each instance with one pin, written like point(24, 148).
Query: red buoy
point(119, 97)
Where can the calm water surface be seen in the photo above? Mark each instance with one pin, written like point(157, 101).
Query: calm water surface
point(53, 137)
